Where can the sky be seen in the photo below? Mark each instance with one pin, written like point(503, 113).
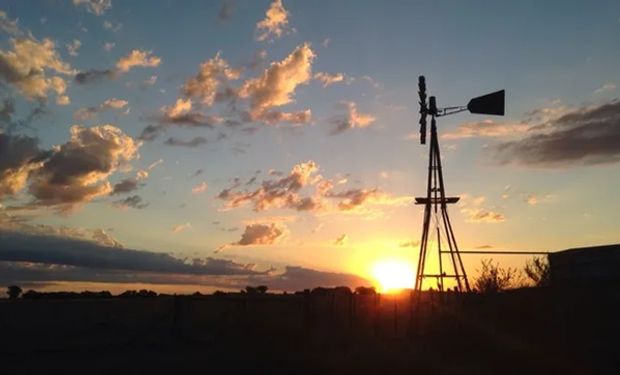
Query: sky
point(204, 145)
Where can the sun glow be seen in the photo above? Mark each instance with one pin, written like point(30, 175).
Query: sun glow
point(393, 275)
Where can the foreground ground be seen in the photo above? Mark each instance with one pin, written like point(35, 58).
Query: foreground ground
point(525, 331)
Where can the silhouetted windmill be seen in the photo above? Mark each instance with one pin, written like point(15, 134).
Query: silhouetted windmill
point(435, 203)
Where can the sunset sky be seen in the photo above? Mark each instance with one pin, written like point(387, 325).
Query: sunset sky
point(199, 145)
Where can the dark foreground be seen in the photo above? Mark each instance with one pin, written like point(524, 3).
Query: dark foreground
point(524, 331)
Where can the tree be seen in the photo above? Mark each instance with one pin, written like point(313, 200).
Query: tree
point(262, 289)
point(537, 270)
point(14, 291)
point(493, 278)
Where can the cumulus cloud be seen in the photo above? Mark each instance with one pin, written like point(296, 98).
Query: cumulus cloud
point(78, 170)
point(275, 23)
point(341, 240)
point(329, 79)
point(582, 136)
point(276, 86)
point(205, 84)
point(291, 191)
point(97, 7)
point(18, 157)
point(352, 119)
point(181, 114)
point(135, 58)
point(73, 47)
point(104, 238)
point(89, 113)
point(32, 67)
point(8, 25)
point(474, 211)
point(200, 188)
point(260, 234)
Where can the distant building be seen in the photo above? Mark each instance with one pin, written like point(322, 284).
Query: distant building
point(586, 266)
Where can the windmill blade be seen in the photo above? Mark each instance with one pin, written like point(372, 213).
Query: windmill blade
point(423, 108)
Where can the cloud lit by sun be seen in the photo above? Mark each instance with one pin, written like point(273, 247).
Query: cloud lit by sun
point(393, 275)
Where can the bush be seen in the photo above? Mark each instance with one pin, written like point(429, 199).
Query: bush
point(494, 279)
point(14, 291)
point(537, 270)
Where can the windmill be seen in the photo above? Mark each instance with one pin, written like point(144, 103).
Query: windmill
point(435, 202)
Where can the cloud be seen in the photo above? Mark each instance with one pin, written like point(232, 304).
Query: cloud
point(181, 114)
point(275, 23)
point(583, 136)
point(59, 250)
point(181, 227)
point(73, 47)
point(94, 75)
point(474, 212)
point(275, 117)
point(107, 46)
point(226, 10)
point(486, 128)
point(137, 58)
point(9, 26)
point(77, 171)
point(329, 79)
point(205, 84)
point(97, 7)
point(89, 113)
point(409, 243)
point(134, 201)
point(18, 157)
point(200, 188)
point(278, 193)
point(341, 240)
point(299, 278)
point(112, 27)
point(27, 66)
point(289, 192)
point(352, 119)
point(260, 234)
point(127, 185)
point(194, 142)
point(276, 86)
point(102, 237)
point(607, 87)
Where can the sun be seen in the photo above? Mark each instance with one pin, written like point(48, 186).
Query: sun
point(393, 275)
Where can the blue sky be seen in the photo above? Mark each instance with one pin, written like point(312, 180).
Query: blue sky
point(525, 180)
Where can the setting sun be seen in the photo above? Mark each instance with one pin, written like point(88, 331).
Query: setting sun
point(393, 275)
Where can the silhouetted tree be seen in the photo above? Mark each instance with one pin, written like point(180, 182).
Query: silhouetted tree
point(250, 290)
point(493, 278)
point(537, 270)
point(14, 291)
point(262, 289)
point(365, 291)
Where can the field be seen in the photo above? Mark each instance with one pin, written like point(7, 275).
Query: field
point(523, 331)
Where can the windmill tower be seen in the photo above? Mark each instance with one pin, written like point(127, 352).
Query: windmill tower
point(436, 220)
